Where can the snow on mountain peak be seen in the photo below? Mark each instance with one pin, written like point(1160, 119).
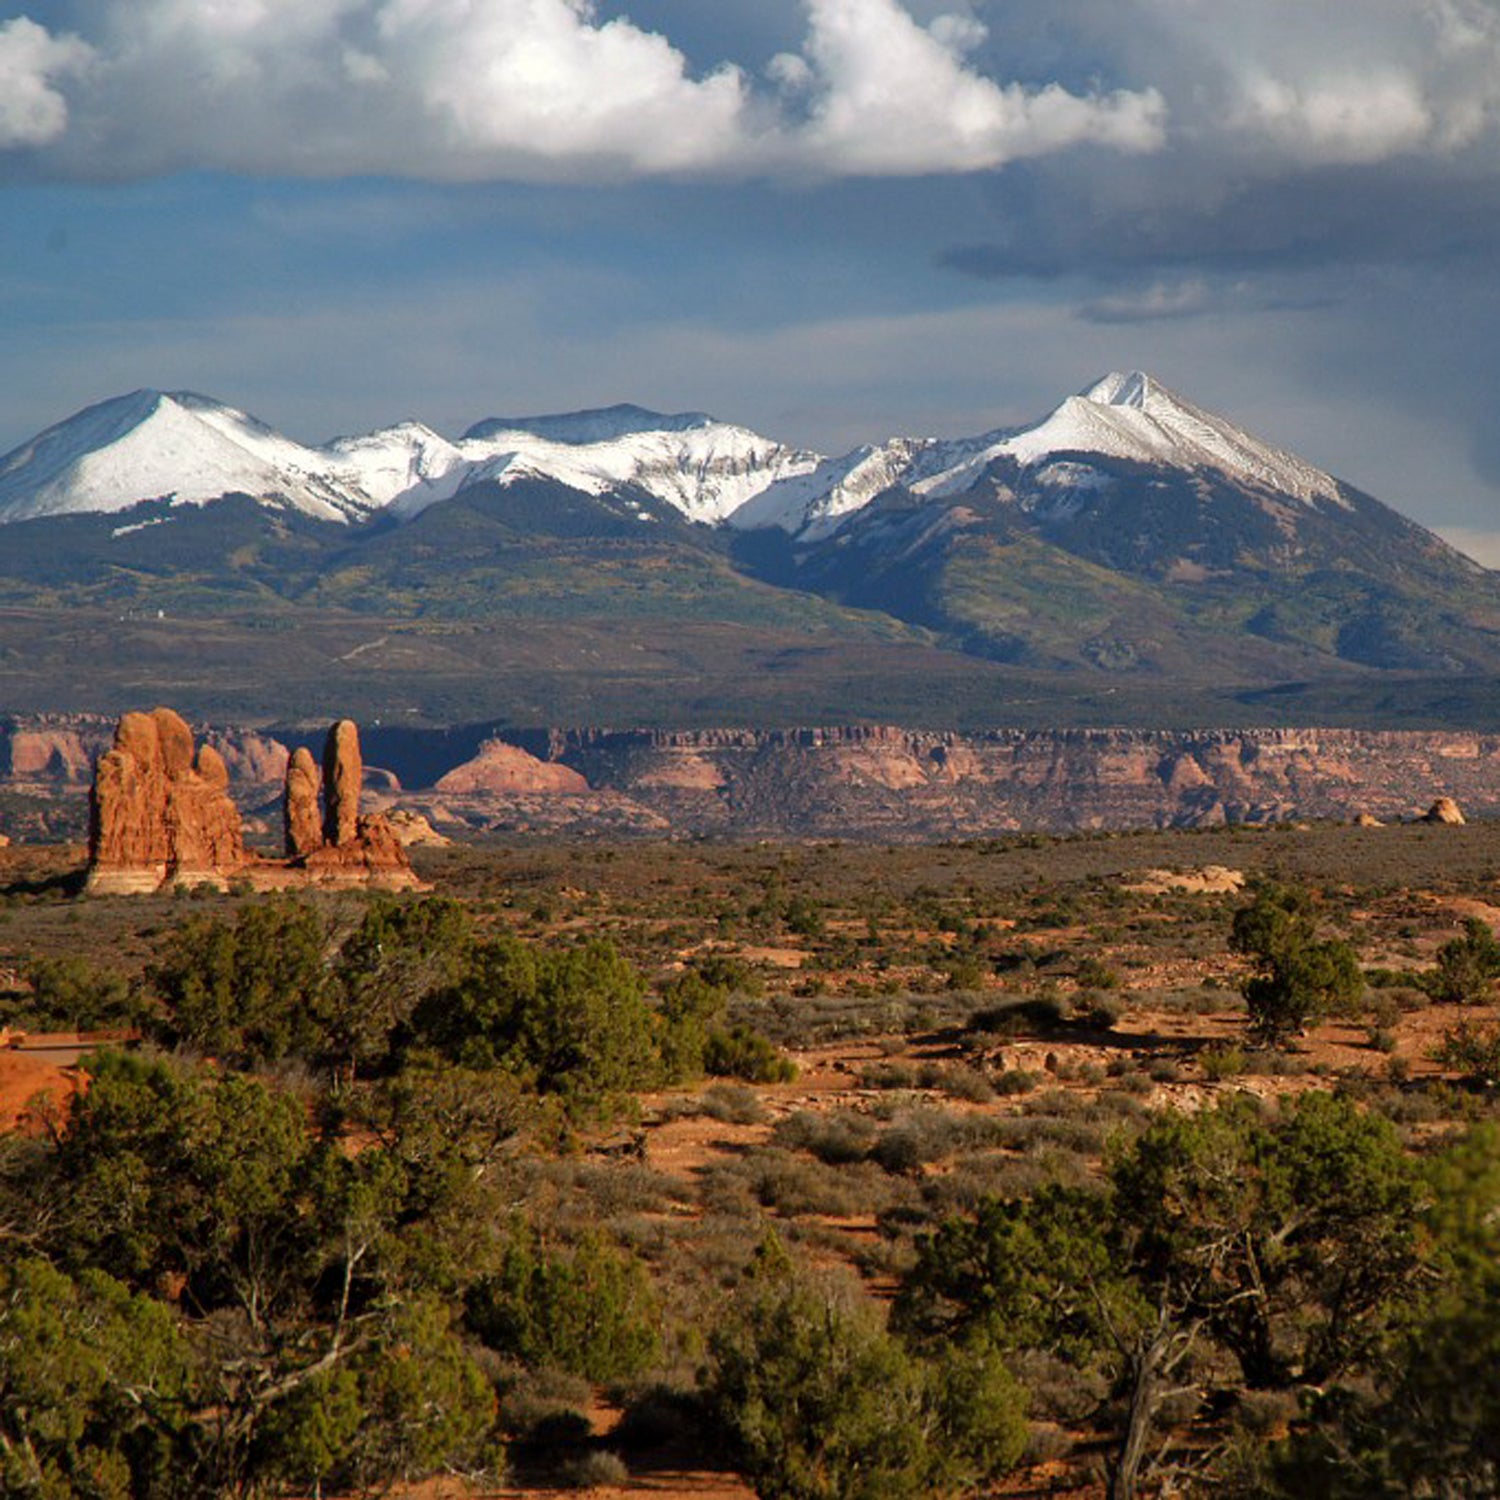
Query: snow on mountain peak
point(153, 445)
point(1128, 388)
point(190, 449)
point(1131, 416)
point(705, 469)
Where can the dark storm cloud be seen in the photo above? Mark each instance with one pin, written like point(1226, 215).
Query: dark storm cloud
point(1328, 217)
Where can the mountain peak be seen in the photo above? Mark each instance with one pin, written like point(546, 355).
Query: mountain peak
point(1132, 388)
point(160, 445)
point(1129, 415)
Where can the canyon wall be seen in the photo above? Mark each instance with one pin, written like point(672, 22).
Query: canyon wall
point(902, 784)
point(857, 782)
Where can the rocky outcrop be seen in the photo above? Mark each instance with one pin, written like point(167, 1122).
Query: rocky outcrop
point(343, 781)
point(882, 782)
point(301, 817)
point(55, 752)
point(499, 767)
point(255, 761)
point(870, 782)
point(349, 846)
point(51, 750)
point(412, 830)
point(160, 811)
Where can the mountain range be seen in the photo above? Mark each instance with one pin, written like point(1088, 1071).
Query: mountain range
point(151, 445)
point(1129, 537)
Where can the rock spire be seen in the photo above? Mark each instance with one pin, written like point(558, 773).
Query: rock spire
point(160, 813)
point(348, 845)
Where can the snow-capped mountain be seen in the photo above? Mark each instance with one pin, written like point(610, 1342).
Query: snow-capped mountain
point(150, 445)
point(1126, 416)
point(707, 470)
point(1131, 416)
point(1128, 531)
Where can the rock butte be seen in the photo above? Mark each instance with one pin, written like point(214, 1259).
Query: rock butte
point(160, 814)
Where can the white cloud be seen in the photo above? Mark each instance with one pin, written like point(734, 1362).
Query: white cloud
point(560, 90)
point(527, 89)
point(1339, 120)
point(1324, 82)
point(509, 80)
point(894, 97)
point(32, 62)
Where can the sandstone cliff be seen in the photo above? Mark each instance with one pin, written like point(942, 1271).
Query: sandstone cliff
point(863, 782)
point(879, 782)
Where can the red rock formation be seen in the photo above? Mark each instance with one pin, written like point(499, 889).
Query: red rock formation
point(343, 779)
point(303, 824)
point(507, 768)
point(49, 755)
point(158, 813)
point(351, 848)
point(254, 760)
point(411, 828)
point(1444, 810)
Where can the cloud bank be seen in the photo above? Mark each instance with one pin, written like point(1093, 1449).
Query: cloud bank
point(522, 89)
point(560, 90)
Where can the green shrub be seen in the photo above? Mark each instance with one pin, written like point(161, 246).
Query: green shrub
point(1015, 1081)
point(569, 1021)
point(742, 1052)
point(245, 991)
point(71, 994)
point(823, 1404)
point(733, 1104)
point(590, 1310)
point(1219, 1063)
point(1473, 1051)
point(835, 1138)
point(1040, 1016)
point(1299, 977)
point(1094, 974)
point(1466, 967)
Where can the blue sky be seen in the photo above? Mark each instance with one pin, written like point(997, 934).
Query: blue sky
point(831, 220)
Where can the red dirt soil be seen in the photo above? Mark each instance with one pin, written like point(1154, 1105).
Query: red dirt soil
point(25, 1078)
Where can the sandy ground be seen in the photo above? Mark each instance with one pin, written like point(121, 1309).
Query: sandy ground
point(27, 1082)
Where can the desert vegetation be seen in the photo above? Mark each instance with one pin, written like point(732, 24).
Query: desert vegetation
point(1034, 1166)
